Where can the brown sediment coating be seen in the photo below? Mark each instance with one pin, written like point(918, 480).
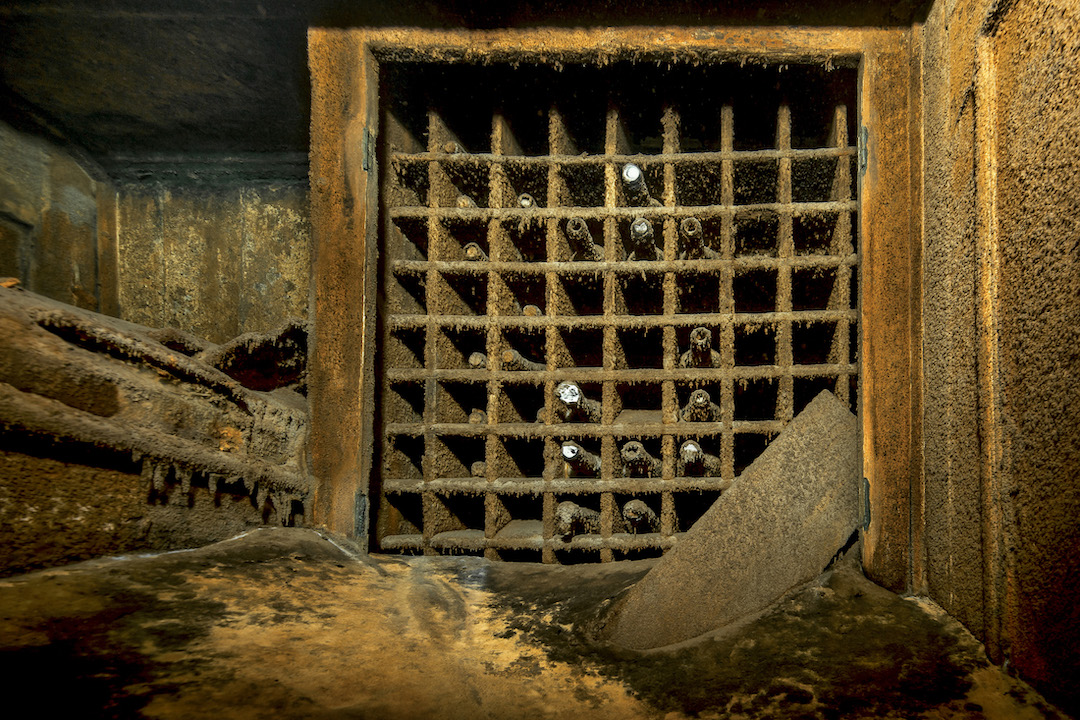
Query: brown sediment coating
point(1001, 325)
point(803, 488)
point(617, 320)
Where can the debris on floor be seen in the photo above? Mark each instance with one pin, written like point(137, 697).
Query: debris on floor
point(283, 622)
point(776, 528)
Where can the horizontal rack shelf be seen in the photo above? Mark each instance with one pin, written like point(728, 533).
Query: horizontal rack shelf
point(627, 267)
point(626, 213)
point(474, 540)
point(706, 156)
point(482, 322)
point(591, 430)
point(563, 486)
point(582, 375)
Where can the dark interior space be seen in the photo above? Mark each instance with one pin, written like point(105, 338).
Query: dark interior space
point(350, 371)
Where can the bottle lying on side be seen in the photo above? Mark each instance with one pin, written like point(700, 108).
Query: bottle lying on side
point(700, 408)
point(639, 517)
point(692, 238)
point(637, 462)
point(572, 519)
point(585, 248)
point(582, 463)
point(637, 192)
point(571, 405)
point(641, 242)
point(700, 354)
point(695, 462)
point(513, 360)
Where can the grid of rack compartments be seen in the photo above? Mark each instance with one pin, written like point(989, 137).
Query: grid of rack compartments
point(599, 306)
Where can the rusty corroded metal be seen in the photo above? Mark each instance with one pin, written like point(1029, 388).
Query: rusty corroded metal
point(613, 340)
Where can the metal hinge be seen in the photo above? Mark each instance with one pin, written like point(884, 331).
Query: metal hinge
point(864, 151)
point(367, 150)
point(866, 504)
point(360, 510)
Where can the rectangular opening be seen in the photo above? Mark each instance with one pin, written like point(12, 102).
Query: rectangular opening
point(514, 335)
point(521, 402)
point(404, 457)
point(642, 294)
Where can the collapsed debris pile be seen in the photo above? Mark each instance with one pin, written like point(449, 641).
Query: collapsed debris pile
point(226, 418)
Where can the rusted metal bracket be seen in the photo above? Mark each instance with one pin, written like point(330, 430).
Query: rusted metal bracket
point(367, 150)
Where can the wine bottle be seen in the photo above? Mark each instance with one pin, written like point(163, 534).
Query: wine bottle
point(478, 417)
point(513, 360)
point(452, 148)
point(478, 361)
point(637, 462)
point(700, 354)
point(639, 517)
point(527, 310)
point(474, 252)
point(641, 241)
point(478, 469)
point(581, 461)
point(695, 462)
point(637, 193)
point(464, 201)
point(693, 241)
point(700, 408)
point(572, 406)
point(572, 519)
point(585, 249)
point(526, 201)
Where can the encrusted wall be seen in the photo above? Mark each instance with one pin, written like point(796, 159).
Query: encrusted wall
point(216, 259)
point(49, 235)
point(213, 261)
point(57, 510)
point(992, 507)
point(1001, 330)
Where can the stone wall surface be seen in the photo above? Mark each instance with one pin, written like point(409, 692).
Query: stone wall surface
point(115, 437)
point(1037, 125)
point(49, 219)
point(953, 496)
point(1001, 330)
point(59, 510)
point(215, 262)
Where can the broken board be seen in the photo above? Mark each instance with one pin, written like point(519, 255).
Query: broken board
point(775, 529)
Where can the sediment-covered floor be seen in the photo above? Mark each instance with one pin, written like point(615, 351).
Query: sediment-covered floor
point(284, 623)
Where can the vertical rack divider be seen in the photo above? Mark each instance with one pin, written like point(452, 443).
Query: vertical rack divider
point(670, 123)
point(668, 522)
point(428, 499)
point(607, 522)
point(555, 199)
point(609, 450)
point(547, 554)
point(498, 196)
point(786, 251)
point(727, 291)
point(841, 247)
point(609, 457)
